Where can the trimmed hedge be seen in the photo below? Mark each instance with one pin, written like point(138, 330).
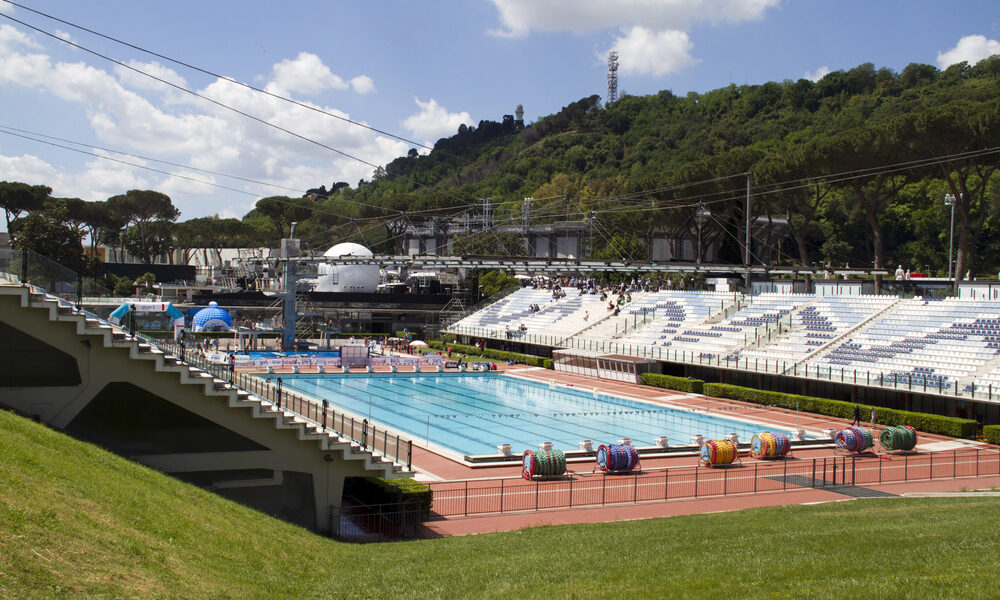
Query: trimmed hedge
point(669, 382)
point(501, 355)
point(376, 490)
point(992, 433)
point(928, 423)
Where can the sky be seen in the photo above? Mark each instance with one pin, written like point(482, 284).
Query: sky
point(371, 80)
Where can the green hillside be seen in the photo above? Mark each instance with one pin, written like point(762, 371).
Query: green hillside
point(78, 522)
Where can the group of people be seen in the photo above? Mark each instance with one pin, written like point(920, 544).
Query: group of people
point(856, 422)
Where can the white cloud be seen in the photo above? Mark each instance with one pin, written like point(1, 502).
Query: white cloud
point(124, 113)
point(64, 35)
point(646, 52)
point(10, 37)
point(306, 74)
point(363, 84)
point(434, 121)
point(132, 78)
point(520, 17)
point(818, 74)
point(971, 49)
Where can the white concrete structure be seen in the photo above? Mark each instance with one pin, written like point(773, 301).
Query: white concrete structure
point(89, 379)
point(347, 278)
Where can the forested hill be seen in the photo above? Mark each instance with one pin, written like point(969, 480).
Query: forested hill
point(850, 170)
point(879, 149)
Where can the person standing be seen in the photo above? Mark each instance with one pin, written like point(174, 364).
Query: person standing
point(874, 417)
point(857, 416)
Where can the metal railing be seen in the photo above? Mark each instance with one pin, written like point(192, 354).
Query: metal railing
point(473, 497)
point(325, 418)
point(360, 522)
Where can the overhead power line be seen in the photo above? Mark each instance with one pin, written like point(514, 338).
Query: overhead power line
point(226, 106)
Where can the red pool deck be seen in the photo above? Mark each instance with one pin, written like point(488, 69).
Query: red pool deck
point(432, 466)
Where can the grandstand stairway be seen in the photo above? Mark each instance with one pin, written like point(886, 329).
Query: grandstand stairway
point(296, 444)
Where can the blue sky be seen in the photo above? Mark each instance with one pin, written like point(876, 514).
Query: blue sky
point(413, 69)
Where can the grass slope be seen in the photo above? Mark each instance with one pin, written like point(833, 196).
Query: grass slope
point(79, 522)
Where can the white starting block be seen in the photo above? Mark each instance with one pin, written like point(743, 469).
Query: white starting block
point(504, 449)
point(800, 434)
point(545, 446)
point(587, 446)
point(697, 440)
point(662, 441)
point(626, 441)
point(830, 433)
point(734, 438)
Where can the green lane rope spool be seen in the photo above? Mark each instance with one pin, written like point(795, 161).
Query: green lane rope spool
point(769, 445)
point(898, 438)
point(719, 452)
point(543, 463)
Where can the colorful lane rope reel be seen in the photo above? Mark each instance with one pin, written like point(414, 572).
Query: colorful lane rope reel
point(898, 437)
point(543, 463)
point(719, 452)
point(854, 439)
point(767, 445)
point(617, 458)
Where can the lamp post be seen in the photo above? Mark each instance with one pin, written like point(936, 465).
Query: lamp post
point(701, 214)
point(949, 200)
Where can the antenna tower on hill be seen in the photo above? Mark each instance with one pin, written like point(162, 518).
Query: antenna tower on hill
point(612, 76)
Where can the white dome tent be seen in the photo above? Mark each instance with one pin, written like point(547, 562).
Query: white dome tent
point(347, 278)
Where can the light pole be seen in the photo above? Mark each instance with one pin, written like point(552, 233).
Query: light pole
point(701, 215)
point(949, 200)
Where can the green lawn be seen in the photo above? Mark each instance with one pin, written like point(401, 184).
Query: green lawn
point(78, 522)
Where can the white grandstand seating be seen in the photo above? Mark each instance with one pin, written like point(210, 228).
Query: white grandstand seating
point(932, 343)
point(671, 315)
point(817, 324)
point(923, 342)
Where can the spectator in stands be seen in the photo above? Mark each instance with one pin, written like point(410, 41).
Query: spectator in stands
point(586, 315)
point(857, 416)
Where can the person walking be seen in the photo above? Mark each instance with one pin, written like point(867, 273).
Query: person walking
point(874, 418)
point(857, 416)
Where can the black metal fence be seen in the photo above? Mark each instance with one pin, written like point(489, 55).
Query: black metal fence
point(474, 497)
point(361, 431)
point(381, 522)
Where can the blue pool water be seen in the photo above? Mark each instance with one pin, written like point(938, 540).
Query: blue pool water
point(474, 413)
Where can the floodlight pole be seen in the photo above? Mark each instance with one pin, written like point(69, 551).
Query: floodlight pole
point(949, 200)
point(746, 249)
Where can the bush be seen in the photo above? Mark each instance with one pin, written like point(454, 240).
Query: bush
point(928, 423)
point(992, 433)
point(375, 490)
point(669, 382)
point(499, 355)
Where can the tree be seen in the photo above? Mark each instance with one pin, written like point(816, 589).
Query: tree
point(957, 130)
point(46, 232)
point(16, 197)
point(493, 282)
point(282, 211)
point(489, 243)
point(142, 208)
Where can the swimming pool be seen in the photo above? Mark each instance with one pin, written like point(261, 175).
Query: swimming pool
point(257, 354)
point(472, 414)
